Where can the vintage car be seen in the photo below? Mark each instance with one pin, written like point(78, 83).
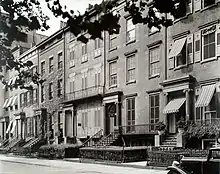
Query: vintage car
point(198, 165)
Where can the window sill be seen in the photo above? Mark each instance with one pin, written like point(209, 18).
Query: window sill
point(208, 7)
point(150, 34)
point(113, 49)
point(112, 86)
point(209, 60)
point(154, 76)
point(180, 67)
point(84, 61)
point(130, 42)
point(130, 82)
point(71, 66)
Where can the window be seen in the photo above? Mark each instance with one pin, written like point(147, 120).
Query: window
point(130, 68)
point(112, 74)
point(154, 57)
point(60, 123)
point(112, 42)
point(35, 96)
point(98, 118)
point(50, 91)
point(84, 118)
point(43, 68)
point(25, 98)
point(84, 82)
point(60, 60)
point(72, 57)
point(50, 64)
point(84, 49)
point(28, 98)
point(72, 86)
point(154, 110)
point(209, 45)
point(97, 79)
point(97, 43)
point(60, 87)
point(181, 58)
point(131, 114)
point(22, 100)
point(130, 30)
point(42, 93)
point(207, 3)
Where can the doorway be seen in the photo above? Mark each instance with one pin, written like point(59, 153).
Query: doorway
point(111, 118)
point(172, 123)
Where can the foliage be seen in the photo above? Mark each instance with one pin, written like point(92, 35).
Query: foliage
point(58, 151)
point(202, 130)
point(160, 126)
point(182, 123)
point(19, 16)
point(128, 154)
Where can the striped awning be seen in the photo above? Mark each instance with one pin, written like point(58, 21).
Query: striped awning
point(9, 127)
point(205, 96)
point(177, 47)
point(9, 102)
point(14, 101)
point(13, 127)
point(5, 104)
point(174, 105)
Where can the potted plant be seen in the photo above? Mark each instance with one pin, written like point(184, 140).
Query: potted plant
point(160, 128)
point(181, 125)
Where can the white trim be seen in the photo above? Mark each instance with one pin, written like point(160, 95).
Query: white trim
point(61, 51)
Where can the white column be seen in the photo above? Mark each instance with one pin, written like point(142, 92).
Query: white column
point(104, 118)
point(165, 115)
point(64, 126)
point(188, 104)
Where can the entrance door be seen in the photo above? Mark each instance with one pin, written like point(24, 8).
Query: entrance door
point(110, 118)
point(172, 123)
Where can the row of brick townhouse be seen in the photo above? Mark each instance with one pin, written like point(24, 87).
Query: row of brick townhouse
point(125, 82)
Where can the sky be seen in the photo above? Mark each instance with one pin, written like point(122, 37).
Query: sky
point(75, 5)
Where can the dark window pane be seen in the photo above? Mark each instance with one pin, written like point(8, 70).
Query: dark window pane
point(197, 45)
point(157, 112)
point(212, 50)
point(206, 40)
point(218, 38)
point(205, 54)
point(157, 100)
point(151, 101)
point(133, 115)
point(211, 37)
point(133, 103)
point(152, 113)
point(189, 49)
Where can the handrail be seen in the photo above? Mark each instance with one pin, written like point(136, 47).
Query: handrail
point(97, 133)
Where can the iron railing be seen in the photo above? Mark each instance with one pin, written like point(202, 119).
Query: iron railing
point(84, 93)
point(90, 141)
point(138, 129)
point(208, 122)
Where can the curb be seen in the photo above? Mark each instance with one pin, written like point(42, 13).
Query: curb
point(87, 161)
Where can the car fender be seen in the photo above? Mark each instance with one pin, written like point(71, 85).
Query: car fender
point(175, 168)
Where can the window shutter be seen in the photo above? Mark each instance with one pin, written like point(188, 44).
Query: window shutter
point(190, 49)
point(171, 59)
point(197, 46)
point(197, 5)
point(218, 40)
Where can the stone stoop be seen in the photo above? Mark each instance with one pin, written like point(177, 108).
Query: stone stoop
point(170, 141)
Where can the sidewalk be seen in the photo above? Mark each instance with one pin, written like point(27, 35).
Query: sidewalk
point(49, 163)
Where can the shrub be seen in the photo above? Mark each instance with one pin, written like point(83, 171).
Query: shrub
point(117, 154)
point(59, 151)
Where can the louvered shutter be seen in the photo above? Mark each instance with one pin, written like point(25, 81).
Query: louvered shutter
point(197, 46)
point(190, 49)
point(171, 59)
point(218, 40)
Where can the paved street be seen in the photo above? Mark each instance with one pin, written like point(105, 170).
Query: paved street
point(14, 165)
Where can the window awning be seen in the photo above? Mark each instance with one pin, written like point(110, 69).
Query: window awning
point(14, 101)
point(9, 127)
point(9, 102)
point(177, 47)
point(5, 104)
point(205, 96)
point(174, 105)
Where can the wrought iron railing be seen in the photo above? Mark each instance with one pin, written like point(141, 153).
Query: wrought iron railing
point(90, 141)
point(138, 129)
point(208, 122)
point(107, 140)
point(84, 93)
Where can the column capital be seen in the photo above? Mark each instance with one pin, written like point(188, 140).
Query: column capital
point(187, 90)
point(165, 94)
